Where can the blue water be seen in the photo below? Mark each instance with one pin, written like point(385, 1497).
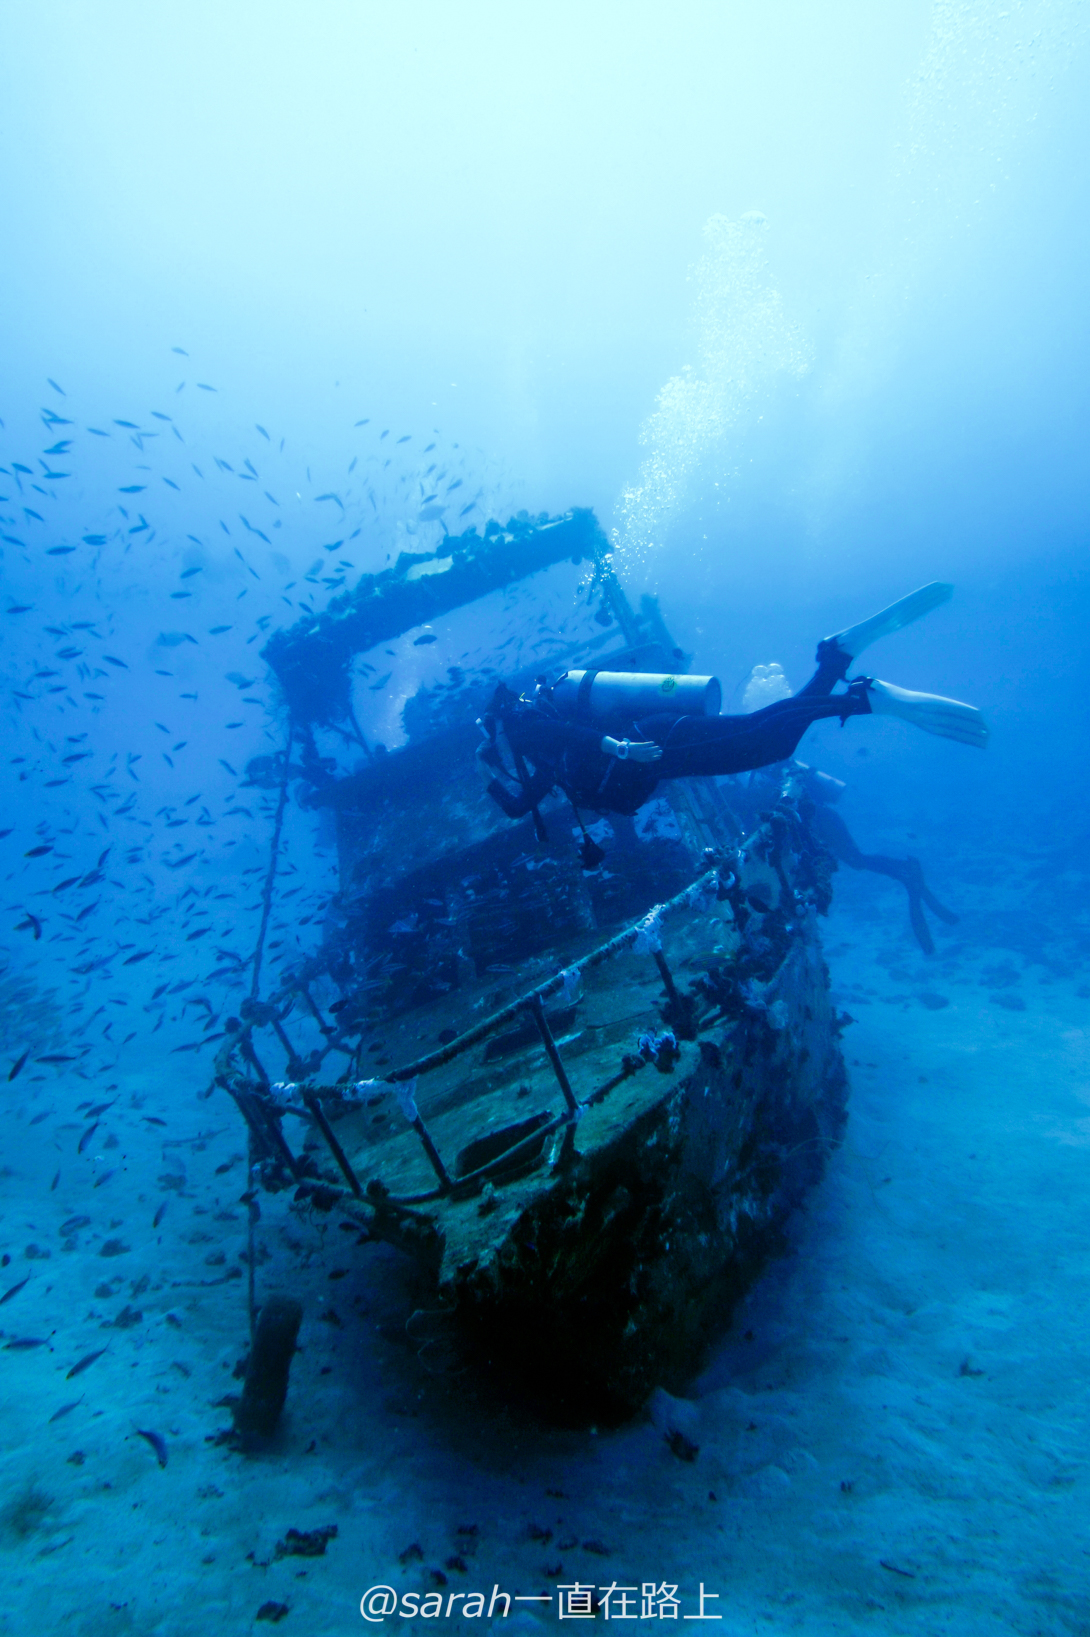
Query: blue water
point(794, 298)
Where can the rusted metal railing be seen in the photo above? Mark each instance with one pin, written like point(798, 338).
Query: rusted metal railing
point(264, 1107)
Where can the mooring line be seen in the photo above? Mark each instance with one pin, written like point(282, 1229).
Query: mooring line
point(266, 905)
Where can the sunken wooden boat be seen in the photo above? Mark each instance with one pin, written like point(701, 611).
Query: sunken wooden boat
point(585, 1101)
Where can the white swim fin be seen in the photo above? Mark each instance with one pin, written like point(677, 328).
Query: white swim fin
point(948, 718)
point(894, 618)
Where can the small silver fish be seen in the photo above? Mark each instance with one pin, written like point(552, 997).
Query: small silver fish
point(13, 1290)
point(84, 1363)
point(65, 1409)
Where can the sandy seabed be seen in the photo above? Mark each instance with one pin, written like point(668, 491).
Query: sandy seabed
point(891, 1439)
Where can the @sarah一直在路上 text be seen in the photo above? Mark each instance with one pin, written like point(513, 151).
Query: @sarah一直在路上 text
point(575, 1601)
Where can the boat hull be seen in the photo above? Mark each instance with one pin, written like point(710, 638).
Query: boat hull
point(620, 1273)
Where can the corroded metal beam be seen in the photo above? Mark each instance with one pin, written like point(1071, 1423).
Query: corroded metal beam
point(311, 659)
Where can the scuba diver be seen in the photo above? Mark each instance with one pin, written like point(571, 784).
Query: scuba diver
point(830, 829)
point(562, 730)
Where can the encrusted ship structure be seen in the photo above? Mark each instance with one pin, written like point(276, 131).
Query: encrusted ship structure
point(585, 1100)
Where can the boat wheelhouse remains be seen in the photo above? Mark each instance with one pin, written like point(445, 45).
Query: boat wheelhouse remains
point(584, 1100)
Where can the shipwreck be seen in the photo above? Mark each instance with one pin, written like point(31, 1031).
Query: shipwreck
point(584, 1100)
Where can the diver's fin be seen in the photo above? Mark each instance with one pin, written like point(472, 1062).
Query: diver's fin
point(948, 718)
point(894, 618)
point(938, 909)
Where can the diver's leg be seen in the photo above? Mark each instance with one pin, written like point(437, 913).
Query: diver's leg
point(833, 665)
point(830, 829)
point(908, 872)
point(710, 746)
point(833, 833)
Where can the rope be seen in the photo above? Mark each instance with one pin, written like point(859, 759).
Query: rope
point(251, 1237)
point(270, 878)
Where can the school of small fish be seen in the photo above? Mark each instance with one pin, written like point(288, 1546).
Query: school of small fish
point(122, 727)
point(110, 708)
point(102, 523)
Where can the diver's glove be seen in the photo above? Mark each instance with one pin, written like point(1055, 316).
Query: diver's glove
point(948, 718)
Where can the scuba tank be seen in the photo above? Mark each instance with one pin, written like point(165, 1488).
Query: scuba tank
point(616, 698)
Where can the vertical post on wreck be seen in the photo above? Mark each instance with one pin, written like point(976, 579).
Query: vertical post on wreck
point(263, 1119)
point(289, 1050)
point(326, 1028)
point(559, 1070)
point(405, 1092)
point(433, 1153)
point(667, 978)
point(318, 1116)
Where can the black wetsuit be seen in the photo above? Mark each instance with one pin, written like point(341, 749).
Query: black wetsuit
point(568, 753)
